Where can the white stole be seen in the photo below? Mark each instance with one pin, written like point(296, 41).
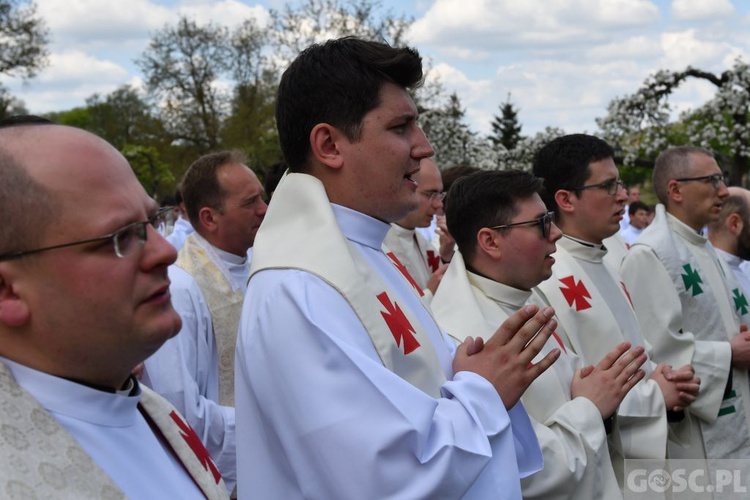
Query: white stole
point(583, 313)
point(725, 432)
point(302, 218)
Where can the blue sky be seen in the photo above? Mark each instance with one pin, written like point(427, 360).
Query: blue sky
point(562, 61)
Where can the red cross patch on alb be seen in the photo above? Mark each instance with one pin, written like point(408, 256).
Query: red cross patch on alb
point(399, 325)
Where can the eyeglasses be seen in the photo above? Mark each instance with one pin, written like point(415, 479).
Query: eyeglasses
point(125, 241)
point(544, 222)
point(716, 180)
point(434, 196)
point(611, 186)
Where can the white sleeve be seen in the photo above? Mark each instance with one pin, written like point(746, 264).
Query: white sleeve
point(659, 311)
point(185, 372)
point(576, 456)
point(319, 416)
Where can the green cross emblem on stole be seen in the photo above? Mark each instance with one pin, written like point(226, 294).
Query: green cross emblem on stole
point(740, 301)
point(692, 280)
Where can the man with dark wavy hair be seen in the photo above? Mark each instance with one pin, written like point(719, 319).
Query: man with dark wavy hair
point(346, 387)
point(506, 239)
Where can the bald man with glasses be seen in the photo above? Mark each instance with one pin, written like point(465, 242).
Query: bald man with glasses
point(678, 286)
point(84, 298)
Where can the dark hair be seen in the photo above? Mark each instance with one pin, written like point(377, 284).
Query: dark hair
point(274, 173)
point(637, 205)
point(200, 186)
point(486, 199)
point(452, 174)
point(673, 163)
point(337, 82)
point(24, 120)
point(563, 163)
point(177, 196)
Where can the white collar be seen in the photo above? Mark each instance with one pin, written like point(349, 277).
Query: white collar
point(499, 292)
point(74, 400)
point(360, 228)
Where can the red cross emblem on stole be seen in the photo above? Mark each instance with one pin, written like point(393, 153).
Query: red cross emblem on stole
point(433, 260)
point(405, 272)
point(399, 325)
point(575, 293)
point(194, 442)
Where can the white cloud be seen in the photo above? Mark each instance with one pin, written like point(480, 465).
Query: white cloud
point(497, 24)
point(637, 47)
point(569, 94)
point(74, 67)
point(701, 10)
point(93, 20)
point(229, 13)
point(96, 22)
point(684, 48)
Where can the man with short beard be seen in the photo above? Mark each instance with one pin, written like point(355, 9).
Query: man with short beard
point(730, 236)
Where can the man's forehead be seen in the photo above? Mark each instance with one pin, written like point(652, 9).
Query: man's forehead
point(530, 205)
point(703, 162)
point(604, 168)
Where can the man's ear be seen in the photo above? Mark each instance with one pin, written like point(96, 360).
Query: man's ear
point(207, 217)
point(674, 191)
point(487, 243)
point(565, 200)
point(325, 142)
point(733, 223)
point(14, 311)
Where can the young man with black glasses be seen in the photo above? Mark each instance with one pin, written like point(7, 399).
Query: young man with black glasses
point(593, 307)
point(506, 239)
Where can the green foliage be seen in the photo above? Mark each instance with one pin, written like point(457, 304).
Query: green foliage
point(10, 105)
point(150, 170)
point(76, 117)
point(23, 39)
point(506, 130)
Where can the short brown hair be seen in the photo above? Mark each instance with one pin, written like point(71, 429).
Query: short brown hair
point(673, 163)
point(200, 186)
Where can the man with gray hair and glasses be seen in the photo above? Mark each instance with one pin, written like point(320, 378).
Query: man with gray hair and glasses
point(678, 289)
point(84, 298)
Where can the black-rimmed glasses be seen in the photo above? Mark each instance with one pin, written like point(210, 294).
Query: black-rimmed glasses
point(611, 186)
point(125, 241)
point(544, 222)
point(716, 180)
